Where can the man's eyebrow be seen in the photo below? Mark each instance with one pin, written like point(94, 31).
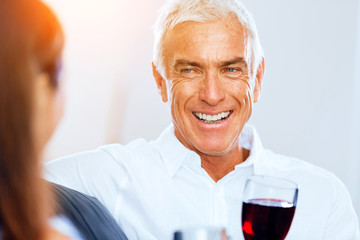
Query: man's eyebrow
point(183, 62)
point(234, 61)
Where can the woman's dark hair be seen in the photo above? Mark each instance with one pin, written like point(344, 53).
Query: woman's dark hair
point(31, 41)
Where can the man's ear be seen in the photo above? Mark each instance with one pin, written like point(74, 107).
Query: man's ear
point(160, 82)
point(258, 80)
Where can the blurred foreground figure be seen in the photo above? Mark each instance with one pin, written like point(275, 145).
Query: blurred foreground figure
point(31, 105)
point(31, 41)
point(208, 65)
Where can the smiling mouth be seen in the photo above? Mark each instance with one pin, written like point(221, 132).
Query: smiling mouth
point(207, 118)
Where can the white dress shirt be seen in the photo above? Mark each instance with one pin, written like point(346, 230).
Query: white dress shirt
point(155, 188)
point(63, 225)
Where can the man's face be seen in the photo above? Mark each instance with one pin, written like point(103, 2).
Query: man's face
point(208, 71)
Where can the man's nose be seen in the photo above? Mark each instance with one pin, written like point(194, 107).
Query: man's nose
point(212, 91)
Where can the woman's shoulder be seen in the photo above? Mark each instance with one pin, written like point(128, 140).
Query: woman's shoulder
point(87, 214)
point(61, 224)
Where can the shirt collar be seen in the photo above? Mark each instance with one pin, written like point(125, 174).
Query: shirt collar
point(174, 153)
point(250, 140)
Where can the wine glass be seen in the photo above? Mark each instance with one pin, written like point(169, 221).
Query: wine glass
point(268, 207)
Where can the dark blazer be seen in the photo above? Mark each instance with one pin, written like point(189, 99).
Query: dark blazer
point(87, 214)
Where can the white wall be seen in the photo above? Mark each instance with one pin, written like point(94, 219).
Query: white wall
point(353, 178)
point(310, 105)
point(310, 102)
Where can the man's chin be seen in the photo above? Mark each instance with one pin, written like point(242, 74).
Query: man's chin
point(213, 151)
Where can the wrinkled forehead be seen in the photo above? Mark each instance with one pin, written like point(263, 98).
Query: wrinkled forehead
point(210, 39)
point(231, 22)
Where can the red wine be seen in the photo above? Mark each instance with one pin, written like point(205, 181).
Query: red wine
point(266, 219)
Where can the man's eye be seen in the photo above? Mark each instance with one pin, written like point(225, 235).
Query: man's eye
point(230, 70)
point(187, 70)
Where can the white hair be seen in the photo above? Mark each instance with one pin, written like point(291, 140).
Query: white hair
point(175, 12)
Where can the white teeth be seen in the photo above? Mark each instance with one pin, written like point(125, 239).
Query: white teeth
point(212, 118)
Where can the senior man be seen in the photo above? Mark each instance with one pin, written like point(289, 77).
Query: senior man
point(208, 65)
